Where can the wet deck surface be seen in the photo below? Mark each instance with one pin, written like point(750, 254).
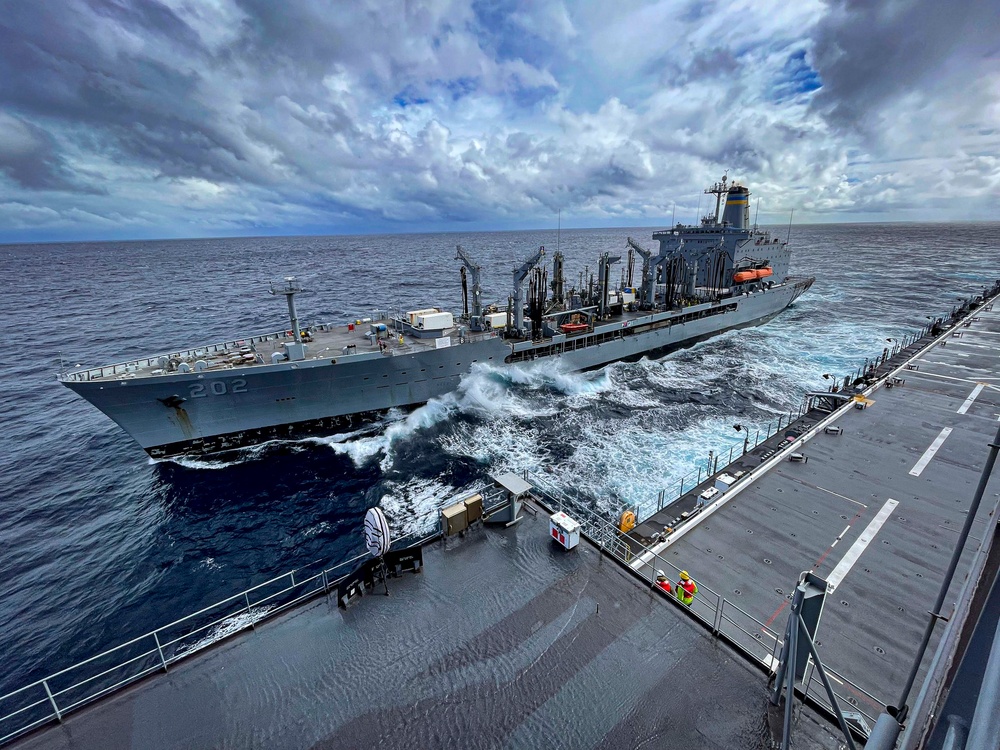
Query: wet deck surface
point(504, 641)
point(811, 515)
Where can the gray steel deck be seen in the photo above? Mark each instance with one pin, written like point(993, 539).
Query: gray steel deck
point(503, 641)
point(809, 515)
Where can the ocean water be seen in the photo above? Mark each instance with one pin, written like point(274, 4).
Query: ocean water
point(99, 544)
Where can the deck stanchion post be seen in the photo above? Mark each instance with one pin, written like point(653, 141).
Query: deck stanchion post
point(291, 575)
point(52, 700)
point(682, 487)
point(731, 453)
point(756, 440)
point(717, 622)
point(699, 475)
point(159, 650)
point(246, 596)
point(326, 582)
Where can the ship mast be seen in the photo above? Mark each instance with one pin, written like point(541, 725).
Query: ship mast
point(719, 189)
point(290, 289)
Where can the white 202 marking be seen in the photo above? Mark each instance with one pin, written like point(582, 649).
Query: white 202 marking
point(218, 388)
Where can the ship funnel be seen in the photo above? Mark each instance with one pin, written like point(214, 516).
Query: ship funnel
point(737, 213)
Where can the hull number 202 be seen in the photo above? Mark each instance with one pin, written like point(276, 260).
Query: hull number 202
point(218, 388)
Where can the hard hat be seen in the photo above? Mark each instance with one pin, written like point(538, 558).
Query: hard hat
point(684, 575)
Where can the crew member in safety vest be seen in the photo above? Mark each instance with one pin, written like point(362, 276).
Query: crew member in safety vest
point(686, 588)
point(662, 582)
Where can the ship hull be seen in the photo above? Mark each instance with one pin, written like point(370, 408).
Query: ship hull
point(202, 413)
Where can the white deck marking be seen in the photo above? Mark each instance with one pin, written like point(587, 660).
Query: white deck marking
point(972, 397)
point(845, 497)
point(925, 374)
point(842, 533)
point(847, 562)
point(947, 364)
point(929, 453)
point(959, 342)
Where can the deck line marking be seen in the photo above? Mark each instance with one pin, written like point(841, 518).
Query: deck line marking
point(958, 342)
point(918, 375)
point(925, 459)
point(845, 497)
point(777, 612)
point(841, 536)
point(972, 397)
point(859, 546)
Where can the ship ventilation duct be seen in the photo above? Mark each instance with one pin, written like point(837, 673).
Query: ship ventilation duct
point(737, 213)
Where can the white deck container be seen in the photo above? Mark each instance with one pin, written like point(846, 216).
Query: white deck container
point(495, 320)
point(564, 530)
point(435, 321)
point(724, 481)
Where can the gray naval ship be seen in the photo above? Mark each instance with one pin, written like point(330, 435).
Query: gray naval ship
point(700, 280)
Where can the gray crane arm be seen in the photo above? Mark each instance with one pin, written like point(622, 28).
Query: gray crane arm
point(525, 268)
point(646, 254)
point(469, 262)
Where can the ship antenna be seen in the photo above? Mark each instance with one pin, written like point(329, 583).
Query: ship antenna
point(558, 229)
point(673, 213)
point(756, 214)
point(290, 289)
point(790, 227)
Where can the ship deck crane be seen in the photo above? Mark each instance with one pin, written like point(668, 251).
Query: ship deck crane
point(649, 266)
point(604, 274)
point(520, 274)
point(645, 285)
point(475, 270)
point(661, 259)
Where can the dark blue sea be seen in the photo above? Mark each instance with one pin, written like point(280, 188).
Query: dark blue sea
point(99, 544)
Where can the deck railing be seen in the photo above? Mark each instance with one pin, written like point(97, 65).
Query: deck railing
point(720, 615)
point(62, 692)
point(754, 436)
point(51, 698)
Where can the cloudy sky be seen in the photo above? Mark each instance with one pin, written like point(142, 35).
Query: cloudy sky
point(181, 118)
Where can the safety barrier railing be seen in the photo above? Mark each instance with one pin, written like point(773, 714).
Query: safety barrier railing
point(724, 457)
point(62, 692)
point(720, 615)
point(754, 436)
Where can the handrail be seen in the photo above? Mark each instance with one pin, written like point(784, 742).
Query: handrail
point(607, 538)
point(138, 665)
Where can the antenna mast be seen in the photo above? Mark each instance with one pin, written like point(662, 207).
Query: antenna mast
point(790, 226)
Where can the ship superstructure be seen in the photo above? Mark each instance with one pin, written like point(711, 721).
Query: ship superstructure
point(308, 379)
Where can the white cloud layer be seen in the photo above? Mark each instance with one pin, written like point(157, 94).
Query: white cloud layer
point(139, 118)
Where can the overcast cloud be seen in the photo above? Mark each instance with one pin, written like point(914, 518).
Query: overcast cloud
point(153, 118)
